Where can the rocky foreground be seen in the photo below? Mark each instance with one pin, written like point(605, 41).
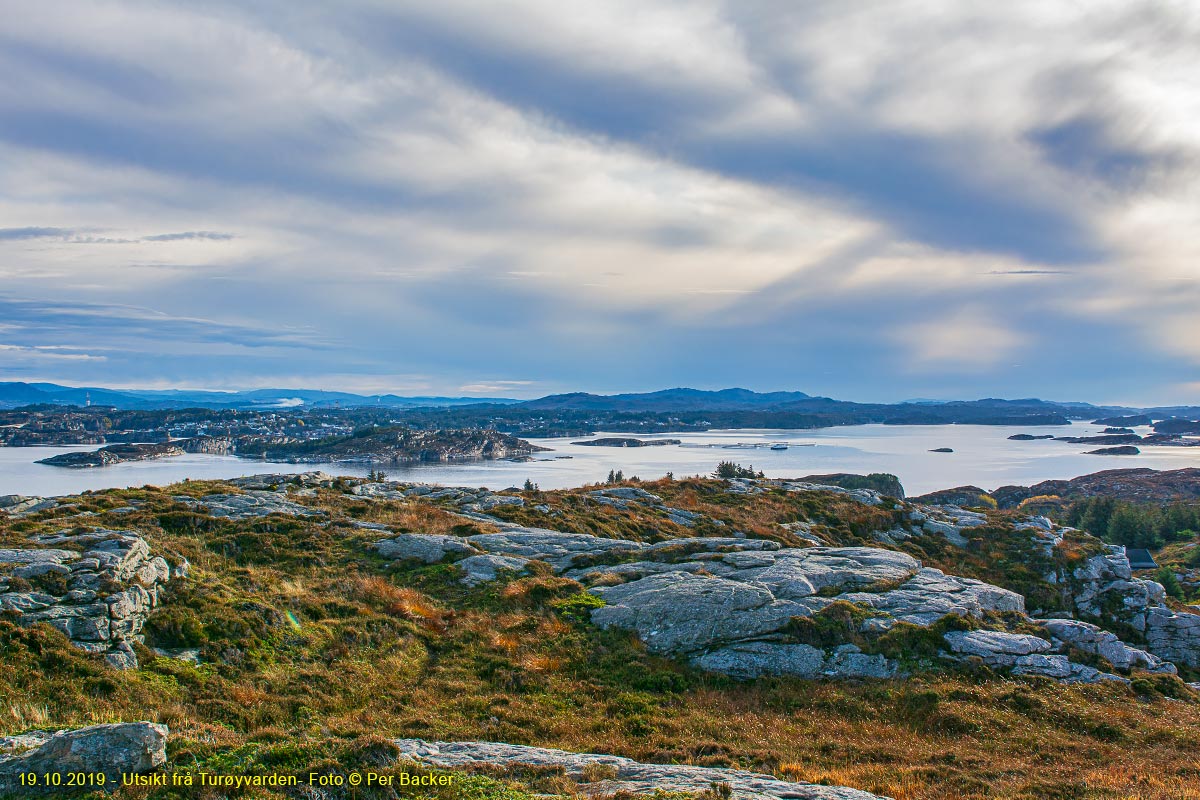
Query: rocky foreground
point(118, 751)
point(371, 592)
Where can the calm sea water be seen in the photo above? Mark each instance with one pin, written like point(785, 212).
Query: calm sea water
point(982, 456)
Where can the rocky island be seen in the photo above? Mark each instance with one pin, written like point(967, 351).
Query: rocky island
point(375, 445)
point(1121, 450)
point(113, 454)
point(392, 445)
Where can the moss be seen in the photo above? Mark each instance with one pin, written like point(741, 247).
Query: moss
point(577, 607)
point(908, 642)
point(838, 623)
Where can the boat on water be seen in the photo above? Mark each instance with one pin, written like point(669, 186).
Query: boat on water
point(779, 446)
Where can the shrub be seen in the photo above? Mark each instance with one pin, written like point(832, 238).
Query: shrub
point(577, 607)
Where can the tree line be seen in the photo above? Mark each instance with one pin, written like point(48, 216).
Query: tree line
point(1135, 524)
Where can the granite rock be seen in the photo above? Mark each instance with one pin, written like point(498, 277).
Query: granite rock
point(627, 776)
point(134, 747)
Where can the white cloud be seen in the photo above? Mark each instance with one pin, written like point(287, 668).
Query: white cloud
point(650, 169)
point(968, 339)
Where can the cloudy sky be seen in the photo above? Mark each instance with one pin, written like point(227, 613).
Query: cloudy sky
point(869, 200)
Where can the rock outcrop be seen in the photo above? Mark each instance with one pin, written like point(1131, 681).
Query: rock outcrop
point(248, 505)
point(16, 505)
point(98, 592)
point(1104, 589)
point(727, 603)
point(1095, 640)
point(108, 750)
point(605, 775)
point(1024, 655)
point(1173, 636)
point(209, 445)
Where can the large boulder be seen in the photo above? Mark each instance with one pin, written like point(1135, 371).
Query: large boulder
point(678, 612)
point(559, 549)
point(1174, 635)
point(484, 568)
point(430, 548)
point(111, 750)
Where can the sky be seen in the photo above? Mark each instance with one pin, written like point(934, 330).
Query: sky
point(866, 200)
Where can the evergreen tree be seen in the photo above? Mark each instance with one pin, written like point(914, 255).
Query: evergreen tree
point(1166, 576)
point(1131, 527)
point(1096, 514)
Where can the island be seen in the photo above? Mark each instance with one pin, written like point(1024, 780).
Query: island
point(113, 454)
point(625, 441)
point(394, 444)
point(1108, 439)
point(1123, 450)
point(942, 450)
point(1127, 421)
point(1029, 437)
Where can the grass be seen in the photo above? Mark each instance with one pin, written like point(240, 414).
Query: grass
point(317, 652)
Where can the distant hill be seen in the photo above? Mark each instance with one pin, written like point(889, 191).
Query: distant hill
point(577, 412)
point(16, 394)
point(668, 400)
point(745, 408)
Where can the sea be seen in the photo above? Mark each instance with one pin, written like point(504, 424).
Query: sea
point(983, 456)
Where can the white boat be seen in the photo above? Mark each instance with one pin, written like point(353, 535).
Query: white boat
point(779, 446)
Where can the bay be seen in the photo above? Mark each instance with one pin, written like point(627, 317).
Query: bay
point(983, 455)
